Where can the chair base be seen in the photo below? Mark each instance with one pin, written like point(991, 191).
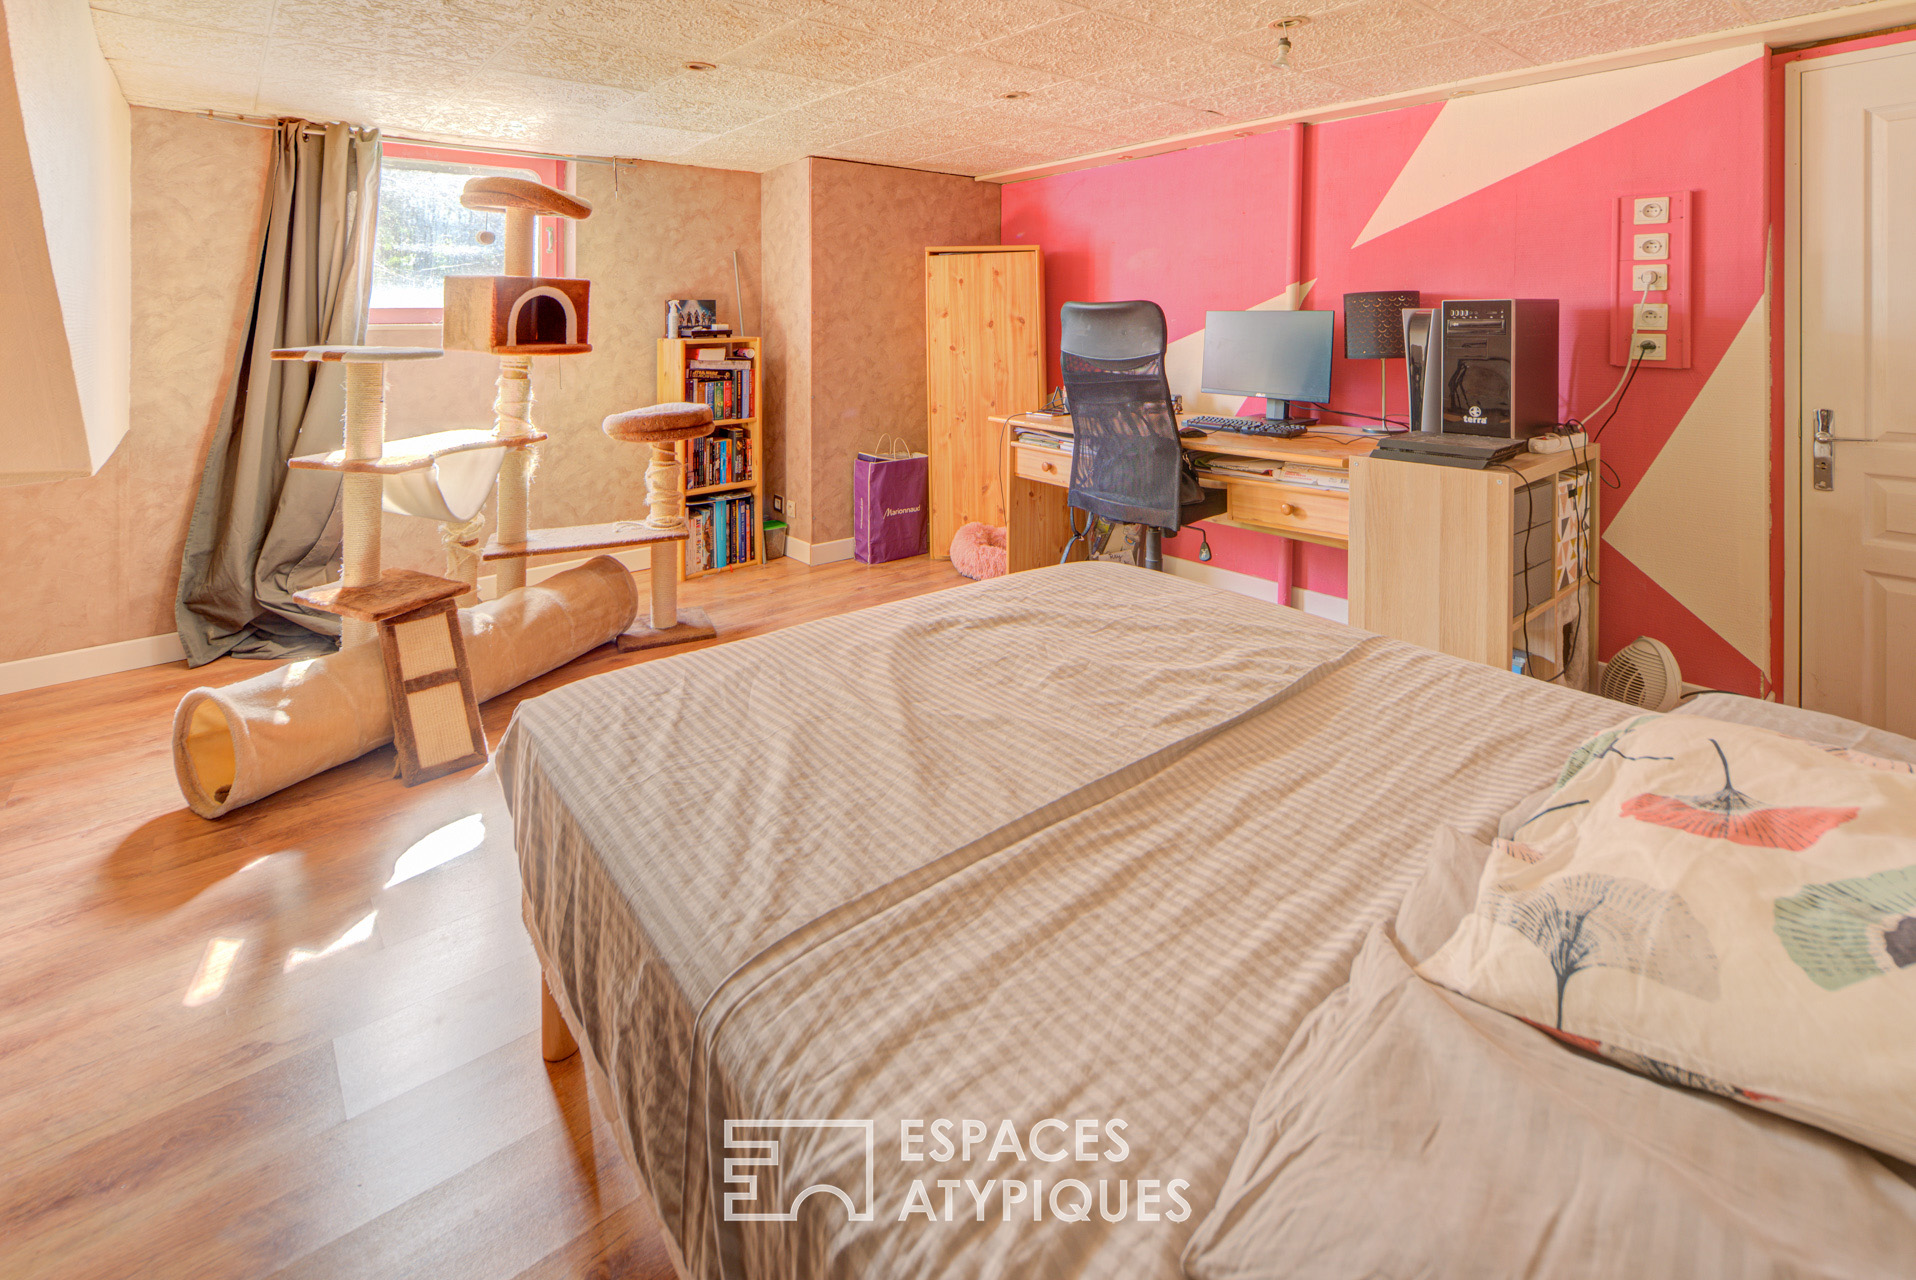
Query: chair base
point(694, 624)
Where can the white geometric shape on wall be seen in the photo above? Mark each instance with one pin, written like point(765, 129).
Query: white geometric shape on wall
point(1480, 140)
point(1699, 521)
point(1184, 358)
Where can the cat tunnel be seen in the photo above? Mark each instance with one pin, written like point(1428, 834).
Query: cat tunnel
point(234, 745)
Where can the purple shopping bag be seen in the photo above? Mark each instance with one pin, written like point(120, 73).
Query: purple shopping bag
point(888, 506)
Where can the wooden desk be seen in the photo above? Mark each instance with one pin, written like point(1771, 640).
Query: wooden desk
point(1038, 518)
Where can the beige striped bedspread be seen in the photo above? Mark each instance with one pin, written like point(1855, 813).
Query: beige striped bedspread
point(1079, 845)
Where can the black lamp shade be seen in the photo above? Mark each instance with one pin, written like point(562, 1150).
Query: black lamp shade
point(1374, 323)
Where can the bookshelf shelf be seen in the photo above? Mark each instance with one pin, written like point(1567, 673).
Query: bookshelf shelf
point(721, 488)
point(740, 502)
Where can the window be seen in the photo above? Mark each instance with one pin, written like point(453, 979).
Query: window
point(425, 234)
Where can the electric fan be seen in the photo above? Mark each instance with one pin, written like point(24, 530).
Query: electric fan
point(1644, 674)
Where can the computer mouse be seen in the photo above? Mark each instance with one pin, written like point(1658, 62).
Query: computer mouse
point(1191, 433)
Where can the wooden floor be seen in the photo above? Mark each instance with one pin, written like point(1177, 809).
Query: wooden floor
point(302, 1040)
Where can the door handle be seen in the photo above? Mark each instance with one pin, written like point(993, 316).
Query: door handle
point(1822, 459)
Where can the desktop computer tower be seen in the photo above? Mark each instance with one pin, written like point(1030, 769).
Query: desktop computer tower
point(1496, 366)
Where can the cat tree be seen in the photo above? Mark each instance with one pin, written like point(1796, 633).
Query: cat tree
point(434, 663)
point(234, 745)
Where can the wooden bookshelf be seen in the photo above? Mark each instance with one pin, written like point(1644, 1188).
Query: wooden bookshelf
point(674, 355)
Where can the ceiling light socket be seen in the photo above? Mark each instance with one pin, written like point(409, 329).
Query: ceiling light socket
point(701, 66)
point(1295, 20)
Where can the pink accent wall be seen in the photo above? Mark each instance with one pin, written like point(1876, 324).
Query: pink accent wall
point(1207, 228)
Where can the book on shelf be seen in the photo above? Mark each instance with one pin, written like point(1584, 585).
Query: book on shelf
point(724, 457)
point(725, 386)
point(721, 533)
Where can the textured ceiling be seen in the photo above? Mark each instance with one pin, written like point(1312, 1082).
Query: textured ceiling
point(919, 83)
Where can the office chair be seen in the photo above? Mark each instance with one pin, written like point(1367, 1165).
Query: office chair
point(1126, 464)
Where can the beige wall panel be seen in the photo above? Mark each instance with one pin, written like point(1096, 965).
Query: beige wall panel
point(96, 560)
point(870, 228)
point(785, 219)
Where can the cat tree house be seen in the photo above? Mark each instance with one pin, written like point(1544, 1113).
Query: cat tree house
point(234, 745)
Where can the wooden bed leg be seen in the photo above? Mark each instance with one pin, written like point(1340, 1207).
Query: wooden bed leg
point(555, 1038)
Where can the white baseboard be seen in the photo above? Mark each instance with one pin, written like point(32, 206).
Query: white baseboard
point(79, 664)
point(152, 651)
point(818, 552)
point(1336, 608)
point(1231, 580)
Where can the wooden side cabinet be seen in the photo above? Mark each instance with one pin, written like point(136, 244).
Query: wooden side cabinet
point(984, 358)
point(1492, 566)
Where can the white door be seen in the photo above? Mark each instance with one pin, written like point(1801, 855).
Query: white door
point(1858, 343)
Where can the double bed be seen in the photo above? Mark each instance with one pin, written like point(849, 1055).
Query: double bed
point(930, 909)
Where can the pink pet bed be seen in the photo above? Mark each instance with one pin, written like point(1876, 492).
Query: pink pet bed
point(978, 551)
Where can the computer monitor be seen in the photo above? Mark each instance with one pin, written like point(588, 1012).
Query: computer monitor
point(1280, 355)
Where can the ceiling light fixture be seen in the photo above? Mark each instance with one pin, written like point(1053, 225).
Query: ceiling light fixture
point(1283, 62)
point(701, 66)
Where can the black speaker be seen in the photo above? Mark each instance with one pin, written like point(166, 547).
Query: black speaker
point(1374, 323)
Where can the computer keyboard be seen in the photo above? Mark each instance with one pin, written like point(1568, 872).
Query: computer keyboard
point(1248, 426)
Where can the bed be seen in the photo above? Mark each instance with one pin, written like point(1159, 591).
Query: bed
point(875, 931)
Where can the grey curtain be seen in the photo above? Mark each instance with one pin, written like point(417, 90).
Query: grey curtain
point(260, 532)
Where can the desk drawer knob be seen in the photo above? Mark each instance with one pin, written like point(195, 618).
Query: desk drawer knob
point(1049, 468)
point(1285, 508)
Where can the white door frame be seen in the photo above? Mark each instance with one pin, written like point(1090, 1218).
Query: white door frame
point(1793, 409)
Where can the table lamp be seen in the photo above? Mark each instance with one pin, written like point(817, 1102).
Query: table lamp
point(1374, 330)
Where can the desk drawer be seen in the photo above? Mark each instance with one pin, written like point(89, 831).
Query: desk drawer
point(1322, 514)
point(1046, 466)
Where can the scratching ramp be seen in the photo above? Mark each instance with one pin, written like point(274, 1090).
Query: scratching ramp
point(234, 745)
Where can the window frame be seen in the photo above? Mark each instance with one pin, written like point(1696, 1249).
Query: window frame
point(554, 233)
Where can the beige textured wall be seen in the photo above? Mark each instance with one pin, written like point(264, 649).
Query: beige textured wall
point(96, 560)
point(65, 182)
point(785, 220)
point(870, 228)
point(657, 231)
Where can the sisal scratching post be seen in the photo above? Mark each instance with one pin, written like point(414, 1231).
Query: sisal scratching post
point(516, 316)
point(662, 426)
point(512, 411)
point(361, 462)
point(361, 492)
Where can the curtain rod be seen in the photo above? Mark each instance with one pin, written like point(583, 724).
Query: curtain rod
point(230, 118)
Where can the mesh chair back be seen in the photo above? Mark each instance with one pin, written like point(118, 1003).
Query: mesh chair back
point(1124, 461)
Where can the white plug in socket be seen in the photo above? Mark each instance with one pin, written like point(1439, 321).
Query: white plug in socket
point(1653, 209)
point(1652, 315)
point(1655, 245)
point(1656, 276)
point(1650, 346)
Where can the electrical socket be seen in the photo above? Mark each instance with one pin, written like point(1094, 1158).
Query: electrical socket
point(1653, 209)
point(1655, 276)
point(1654, 245)
point(1652, 315)
point(778, 505)
point(1657, 349)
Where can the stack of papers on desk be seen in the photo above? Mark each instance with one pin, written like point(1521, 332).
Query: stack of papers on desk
point(1046, 439)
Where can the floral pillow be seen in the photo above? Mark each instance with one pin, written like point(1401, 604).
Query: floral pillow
point(1721, 907)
